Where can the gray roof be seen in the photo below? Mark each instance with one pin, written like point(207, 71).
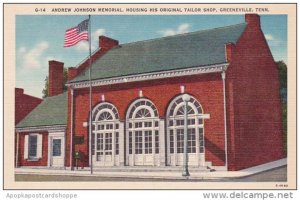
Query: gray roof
point(52, 111)
point(194, 49)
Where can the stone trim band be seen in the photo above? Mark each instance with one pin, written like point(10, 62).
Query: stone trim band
point(153, 75)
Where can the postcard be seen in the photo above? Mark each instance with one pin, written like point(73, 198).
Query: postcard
point(149, 96)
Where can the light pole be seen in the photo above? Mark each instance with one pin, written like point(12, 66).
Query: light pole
point(186, 98)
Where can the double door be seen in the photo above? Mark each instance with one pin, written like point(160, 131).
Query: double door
point(177, 147)
point(144, 147)
point(104, 148)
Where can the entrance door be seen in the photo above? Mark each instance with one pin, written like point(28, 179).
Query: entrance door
point(191, 147)
point(175, 132)
point(144, 148)
point(57, 155)
point(142, 133)
point(104, 151)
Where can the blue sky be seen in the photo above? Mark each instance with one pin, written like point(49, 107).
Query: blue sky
point(41, 38)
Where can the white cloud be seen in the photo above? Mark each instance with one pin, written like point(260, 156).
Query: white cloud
point(50, 58)
point(83, 46)
point(269, 37)
point(22, 50)
point(182, 28)
point(45, 61)
point(274, 42)
point(32, 58)
point(167, 32)
point(97, 33)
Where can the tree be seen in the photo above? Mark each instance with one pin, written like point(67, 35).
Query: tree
point(45, 90)
point(282, 68)
point(282, 73)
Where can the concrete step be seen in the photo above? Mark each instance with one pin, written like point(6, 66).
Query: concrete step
point(146, 169)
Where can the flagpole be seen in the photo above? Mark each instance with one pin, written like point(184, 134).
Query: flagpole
point(90, 120)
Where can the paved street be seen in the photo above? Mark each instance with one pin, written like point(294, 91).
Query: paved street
point(278, 174)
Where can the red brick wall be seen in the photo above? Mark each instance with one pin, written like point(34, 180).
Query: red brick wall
point(24, 104)
point(107, 43)
point(41, 162)
point(207, 89)
point(253, 102)
point(56, 78)
point(68, 131)
point(72, 73)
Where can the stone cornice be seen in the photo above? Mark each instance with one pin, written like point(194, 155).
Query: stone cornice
point(152, 76)
point(42, 128)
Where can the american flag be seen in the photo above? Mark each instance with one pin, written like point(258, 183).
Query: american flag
point(76, 34)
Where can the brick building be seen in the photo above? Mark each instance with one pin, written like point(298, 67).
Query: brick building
point(234, 113)
point(24, 104)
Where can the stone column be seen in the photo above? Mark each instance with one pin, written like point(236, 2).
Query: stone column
point(121, 144)
point(162, 146)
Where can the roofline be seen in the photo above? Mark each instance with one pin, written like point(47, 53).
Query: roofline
point(151, 75)
point(49, 128)
point(184, 34)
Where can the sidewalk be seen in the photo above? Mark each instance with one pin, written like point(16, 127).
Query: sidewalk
point(157, 174)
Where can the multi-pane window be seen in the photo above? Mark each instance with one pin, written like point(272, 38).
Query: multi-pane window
point(138, 124)
point(56, 150)
point(148, 142)
point(109, 126)
point(130, 142)
point(180, 138)
point(105, 128)
point(32, 146)
point(93, 144)
point(108, 143)
point(105, 116)
point(171, 141)
point(156, 142)
point(138, 142)
point(175, 124)
point(99, 142)
point(143, 113)
point(201, 140)
point(148, 124)
point(191, 121)
point(143, 126)
point(145, 106)
point(179, 122)
point(191, 140)
point(105, 111)
point(117, 143)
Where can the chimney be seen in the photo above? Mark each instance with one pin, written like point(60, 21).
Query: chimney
point(72, 73)
point(19, 91)
point(107, 43)
point(56, 77)
point(229, 48)
point(253, 20)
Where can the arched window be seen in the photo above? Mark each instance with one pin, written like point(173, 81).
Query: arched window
point(105, 134)
point(142, 132)
point(175, 131)
point(107, 112)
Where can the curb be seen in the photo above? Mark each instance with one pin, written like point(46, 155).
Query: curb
point(158, 175)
